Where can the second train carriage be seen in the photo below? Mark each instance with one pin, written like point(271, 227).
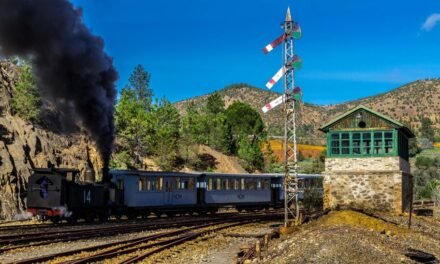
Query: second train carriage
point(143, 192)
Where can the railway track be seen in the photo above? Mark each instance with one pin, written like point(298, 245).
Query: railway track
point(15, 241)
point(30, 227)
point(137, 249)
point(21, 227)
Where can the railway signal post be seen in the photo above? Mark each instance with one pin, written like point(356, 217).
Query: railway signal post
point(289, 98)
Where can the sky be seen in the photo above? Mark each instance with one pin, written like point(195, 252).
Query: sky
point(350, 49)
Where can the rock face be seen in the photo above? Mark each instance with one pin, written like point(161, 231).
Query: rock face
point(24, 146)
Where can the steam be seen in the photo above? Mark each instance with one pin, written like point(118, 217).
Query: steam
point(71, 66)
point(23, 216)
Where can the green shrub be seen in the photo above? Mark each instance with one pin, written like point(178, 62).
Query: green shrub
point(26, 100)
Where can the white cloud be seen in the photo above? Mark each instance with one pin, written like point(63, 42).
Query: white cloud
point(431, 22)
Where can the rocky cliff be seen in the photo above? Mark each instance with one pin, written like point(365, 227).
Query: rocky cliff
point(24, 146)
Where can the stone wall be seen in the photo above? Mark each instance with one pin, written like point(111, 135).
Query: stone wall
point(367, 164)
point(376, 183)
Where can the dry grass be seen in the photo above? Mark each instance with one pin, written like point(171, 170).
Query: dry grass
point(308, 151)
point(357, 219)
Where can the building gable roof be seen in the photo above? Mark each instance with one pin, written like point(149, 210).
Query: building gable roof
point(397, 124)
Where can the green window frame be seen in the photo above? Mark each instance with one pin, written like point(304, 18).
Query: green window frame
point(362, 143)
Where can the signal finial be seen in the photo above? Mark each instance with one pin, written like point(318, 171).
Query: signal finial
point(288, 16)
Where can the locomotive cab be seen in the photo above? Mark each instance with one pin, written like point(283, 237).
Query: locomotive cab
point(56, 194)
point(46, 195)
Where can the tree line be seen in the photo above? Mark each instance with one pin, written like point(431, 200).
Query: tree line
point(147, 128)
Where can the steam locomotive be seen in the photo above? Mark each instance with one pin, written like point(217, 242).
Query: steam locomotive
point(57, 194)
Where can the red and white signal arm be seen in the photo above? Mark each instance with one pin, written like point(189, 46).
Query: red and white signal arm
point(273, 103)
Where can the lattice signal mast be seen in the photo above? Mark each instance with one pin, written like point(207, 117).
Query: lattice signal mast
point(291, 95)
point(290, 157)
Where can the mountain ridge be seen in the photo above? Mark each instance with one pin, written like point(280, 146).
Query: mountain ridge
point(408, 104)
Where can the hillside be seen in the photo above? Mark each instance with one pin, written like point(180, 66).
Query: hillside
point(408, 104)
point(310, 119)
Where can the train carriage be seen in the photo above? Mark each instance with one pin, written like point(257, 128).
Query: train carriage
point(159, 192)
point(242, 191)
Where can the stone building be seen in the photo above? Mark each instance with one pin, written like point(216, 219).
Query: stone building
point(367, 163)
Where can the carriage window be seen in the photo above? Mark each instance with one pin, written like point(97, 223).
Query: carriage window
point(259, 185)
point(228, 184)
point(187, 183)
point(183, 184)
point(300, 183)
point(159, 183)
point(250, 184)
point(176, 183)
point(236, 184)
point(266, 184)
point(214, 184)
point(243, 183)
point(154, 184)
point(142, 184)
point(210, 184)
point(219, 184)
point(191, 184)
point(120, 184)
point(148, 188)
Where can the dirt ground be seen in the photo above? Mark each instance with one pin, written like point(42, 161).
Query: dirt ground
point(353, 237)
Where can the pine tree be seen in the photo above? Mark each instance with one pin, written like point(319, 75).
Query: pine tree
point(140, 82)
point(163, 133)
point(215, 104)
point(26, 99)
point(131, 122)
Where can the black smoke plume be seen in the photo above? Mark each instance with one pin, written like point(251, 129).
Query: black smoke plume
point(69, 62)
